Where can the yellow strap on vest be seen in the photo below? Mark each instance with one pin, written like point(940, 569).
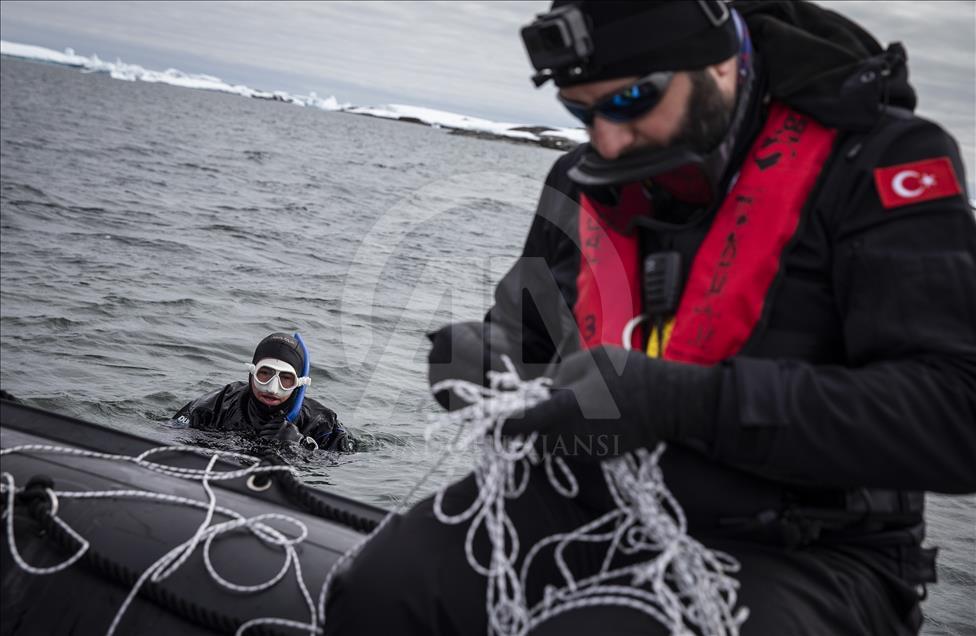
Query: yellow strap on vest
point(652, 348)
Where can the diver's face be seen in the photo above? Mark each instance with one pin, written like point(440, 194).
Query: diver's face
point(694, 111)
point(266, 398)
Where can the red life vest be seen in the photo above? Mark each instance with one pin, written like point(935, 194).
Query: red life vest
point(736, 263)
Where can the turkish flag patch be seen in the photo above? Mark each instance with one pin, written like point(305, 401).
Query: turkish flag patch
point(918, 181)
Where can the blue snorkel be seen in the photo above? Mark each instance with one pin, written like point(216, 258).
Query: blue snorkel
point(297, 407)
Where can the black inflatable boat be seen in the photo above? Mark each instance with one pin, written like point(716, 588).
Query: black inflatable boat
point(129, 531)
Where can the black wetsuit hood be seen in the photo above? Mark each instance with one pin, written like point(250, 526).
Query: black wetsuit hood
point(279, 346)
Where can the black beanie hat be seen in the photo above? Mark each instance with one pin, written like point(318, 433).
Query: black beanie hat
point(643, 36)
point(282, 347)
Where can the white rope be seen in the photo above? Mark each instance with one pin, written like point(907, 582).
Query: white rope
point(172, 471)
point(205, 534)
point(682, 584)
point(10, 488)
point(495, 472)
point(349, 554)
point(464, 437)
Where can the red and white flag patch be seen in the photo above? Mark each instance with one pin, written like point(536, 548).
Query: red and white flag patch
point(918, 181)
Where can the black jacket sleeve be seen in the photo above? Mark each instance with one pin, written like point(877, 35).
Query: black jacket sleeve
point(901, 413)
point(322, 424)
point(534, 299)
point(204, 412)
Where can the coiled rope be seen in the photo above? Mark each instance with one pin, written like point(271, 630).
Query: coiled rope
point(205, 534)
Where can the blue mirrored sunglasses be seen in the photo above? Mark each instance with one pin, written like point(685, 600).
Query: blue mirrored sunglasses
point(625, 105)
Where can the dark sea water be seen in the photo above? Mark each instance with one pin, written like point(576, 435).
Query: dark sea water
point(151, 235)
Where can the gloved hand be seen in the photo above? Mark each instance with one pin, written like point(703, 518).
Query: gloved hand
point(279, 429)
point(608, 401)
point(466, 351)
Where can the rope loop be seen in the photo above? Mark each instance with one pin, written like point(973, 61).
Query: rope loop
point(43, 502)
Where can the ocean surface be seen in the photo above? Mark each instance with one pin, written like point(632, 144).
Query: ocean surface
point(150, 235)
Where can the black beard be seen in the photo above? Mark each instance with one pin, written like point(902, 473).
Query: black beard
point(707, 118)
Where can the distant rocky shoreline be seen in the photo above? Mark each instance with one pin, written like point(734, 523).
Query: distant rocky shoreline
point(456, 124)
point(546, 141)
point(552, 142)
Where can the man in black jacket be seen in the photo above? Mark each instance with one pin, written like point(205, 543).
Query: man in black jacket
point(271, 403)
point(762, 258)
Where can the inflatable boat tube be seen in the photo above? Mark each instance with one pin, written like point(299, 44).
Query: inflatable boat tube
point(202, 544)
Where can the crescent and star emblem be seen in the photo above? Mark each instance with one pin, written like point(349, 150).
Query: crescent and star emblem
point(925, 181)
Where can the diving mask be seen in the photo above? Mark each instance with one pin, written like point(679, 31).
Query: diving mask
point(276, 377)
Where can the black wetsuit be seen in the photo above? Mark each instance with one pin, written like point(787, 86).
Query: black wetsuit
point(855, 393)
point(234, 408)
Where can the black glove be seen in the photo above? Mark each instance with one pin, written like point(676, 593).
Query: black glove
point(279, 429)
point(466, 351)
point(608, 401)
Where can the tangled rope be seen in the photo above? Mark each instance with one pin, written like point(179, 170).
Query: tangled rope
point(488, 407)
point(682, 585)
point(206, 532)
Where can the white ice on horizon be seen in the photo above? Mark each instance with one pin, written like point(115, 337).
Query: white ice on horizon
point(127, 72)
point(443, 119)
point(132, 73)
point(440, 118)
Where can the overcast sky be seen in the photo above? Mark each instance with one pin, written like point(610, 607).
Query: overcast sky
point(465, 57)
